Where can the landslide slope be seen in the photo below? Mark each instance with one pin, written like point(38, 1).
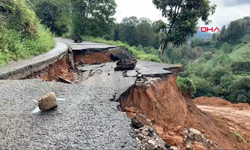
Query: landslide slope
point(163, 105)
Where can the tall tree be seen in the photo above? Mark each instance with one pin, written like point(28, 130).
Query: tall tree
point(54, 14)
point(223, 32)
point(183, 17)
point(93, 17)
point(128, 30)
point(145, 33)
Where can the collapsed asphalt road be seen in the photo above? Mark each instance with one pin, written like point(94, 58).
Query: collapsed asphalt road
point(88, 118)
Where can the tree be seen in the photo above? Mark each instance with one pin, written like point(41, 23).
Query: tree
point(183, 17)
point(128, 30)
point(226, 48)
point(54, 14)
point(223, 33)
point(145, 34)
point(93, 17)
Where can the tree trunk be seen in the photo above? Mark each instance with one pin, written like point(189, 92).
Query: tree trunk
point(162, 49)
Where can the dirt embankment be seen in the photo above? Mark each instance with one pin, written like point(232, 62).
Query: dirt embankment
point(172, 114)
point(214, 101)
point(59, 69)
point(63, 70)
point(234, 116)
point(95, 57)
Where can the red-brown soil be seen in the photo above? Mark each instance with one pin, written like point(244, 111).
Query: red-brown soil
point(96, 57)
point(171, 112)
point(234, 116)
point(214, 101)
point(60, 68)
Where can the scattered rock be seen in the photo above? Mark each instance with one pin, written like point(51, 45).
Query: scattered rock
point(119, 56)
point(149, 146)
point(173, 148)
point(141, 136)
point(136, 124)
point(114, 57)
point(48, 102)
point(167, 146)
point(126, 64)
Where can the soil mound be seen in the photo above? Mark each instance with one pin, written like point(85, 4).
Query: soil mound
point(214, 101)
point(167, 109)
point(211, 101)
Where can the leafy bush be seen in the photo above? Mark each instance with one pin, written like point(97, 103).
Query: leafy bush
point(226, 48)
point(240, 67)
point(240, 90)
point(186, 85)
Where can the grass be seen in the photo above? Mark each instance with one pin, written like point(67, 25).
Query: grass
point(239, 136)
point(138, 54)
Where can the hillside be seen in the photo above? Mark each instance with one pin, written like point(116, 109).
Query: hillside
point(222, 66)
point(21, 33)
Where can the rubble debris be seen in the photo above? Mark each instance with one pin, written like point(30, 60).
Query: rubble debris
point(95, 72)
point(114, 57)
point(197, 140)
point(77, 39)
point(136, 124)
point(48, 102)
point(149, 139)
point(63, 80)
point(126, 64)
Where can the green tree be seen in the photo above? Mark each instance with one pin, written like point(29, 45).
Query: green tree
point(145, 34)
point(223, 33)
point(54, 14)
point(93, 17)
point(226, 48)
point(127, 31)
point(183, 17)
point(214, 37)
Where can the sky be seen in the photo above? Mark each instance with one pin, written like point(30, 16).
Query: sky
point(226, 11)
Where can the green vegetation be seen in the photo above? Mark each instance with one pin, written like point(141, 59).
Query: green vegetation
point(222, 66)
point(183, 17)
point(21, 34)
point(136, 51)
point(239, 136)
point(186, 85)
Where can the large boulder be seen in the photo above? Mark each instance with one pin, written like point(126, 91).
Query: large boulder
point(48, 102)
point(126, 64)
point(119, 56)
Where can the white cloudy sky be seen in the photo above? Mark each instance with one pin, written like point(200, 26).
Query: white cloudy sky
point(227, 10)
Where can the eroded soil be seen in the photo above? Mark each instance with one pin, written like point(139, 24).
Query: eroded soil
point(234, 116)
